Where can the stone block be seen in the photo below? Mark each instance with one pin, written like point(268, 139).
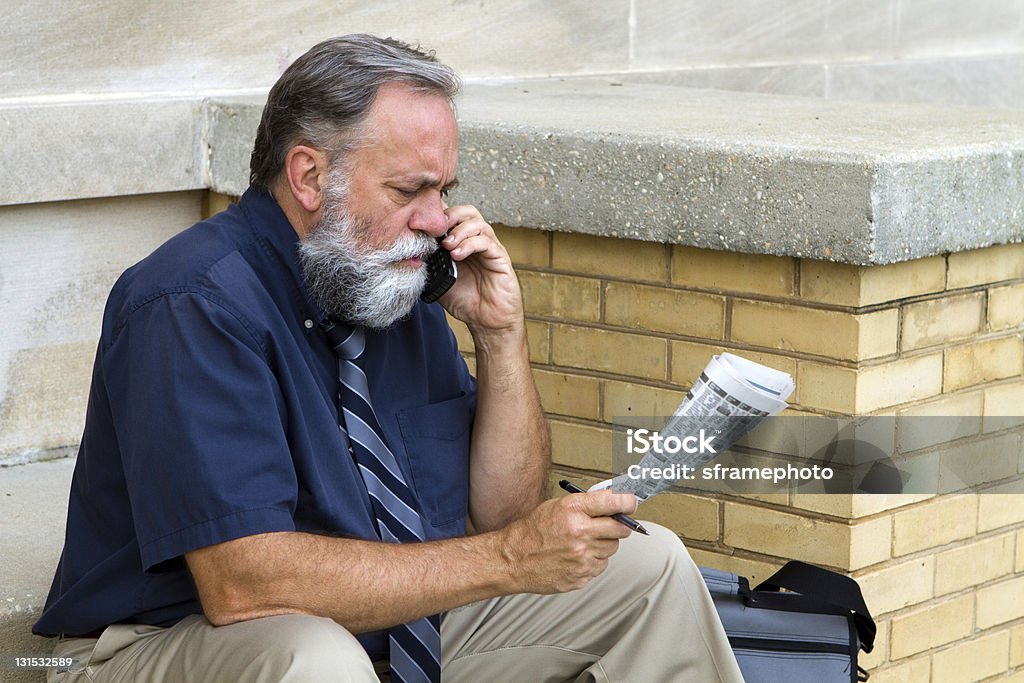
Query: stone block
point(581, 445)
point(690, 358)
point(897, 382)
point(525, 246)
point(629, 399)
point(1019, 564)
point(1005, 307)
point(931, 626)
point(572, 395)
point(834, 334)
point(538, 339)
point(912, 671)
point(609, 257)
point(1017, 646)
point(846, 285)
point(982, 362)
point(608, 351)
point(828, 387)
point(934, 523)
point(996, 510)
point(730, 271)
point(973, 660)
point(942, 27)
point(870, 542)
point(561, 296)
point(674, 311)
point(786, 535)
point(973, 564)
point(985, 266)
point(692, 517)
point(897, 586)
point(1000, 603)
point(803, 80)
point(939, 321)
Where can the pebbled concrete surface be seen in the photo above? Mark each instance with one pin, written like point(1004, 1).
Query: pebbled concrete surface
point(858, 183)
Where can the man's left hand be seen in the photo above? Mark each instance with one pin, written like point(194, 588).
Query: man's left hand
point(486, 295)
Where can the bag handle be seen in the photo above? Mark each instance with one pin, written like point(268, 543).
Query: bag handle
point(828, 587)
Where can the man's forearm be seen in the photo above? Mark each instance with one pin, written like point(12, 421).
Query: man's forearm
point(511, 449)
point(363, 585)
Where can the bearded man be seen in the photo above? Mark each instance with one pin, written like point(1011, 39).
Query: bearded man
point(289, 474)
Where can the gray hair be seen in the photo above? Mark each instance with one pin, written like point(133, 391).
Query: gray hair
point(323, 98)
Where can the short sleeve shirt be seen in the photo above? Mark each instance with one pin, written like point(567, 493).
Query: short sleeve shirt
point(213, 415)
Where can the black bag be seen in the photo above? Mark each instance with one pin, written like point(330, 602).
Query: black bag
point(812, 635)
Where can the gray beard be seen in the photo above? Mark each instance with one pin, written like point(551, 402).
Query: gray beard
point(356, 284)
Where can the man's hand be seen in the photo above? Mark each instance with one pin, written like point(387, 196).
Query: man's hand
point(566, 542)
point(486, 295)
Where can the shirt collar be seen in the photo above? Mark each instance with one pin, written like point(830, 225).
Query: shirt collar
point(273, 228)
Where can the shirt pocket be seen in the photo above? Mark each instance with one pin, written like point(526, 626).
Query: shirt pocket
point(436, 439)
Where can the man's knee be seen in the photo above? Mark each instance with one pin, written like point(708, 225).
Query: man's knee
point(659, 555)
point(307, 648)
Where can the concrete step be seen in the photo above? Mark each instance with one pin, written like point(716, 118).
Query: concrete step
point(33, 509)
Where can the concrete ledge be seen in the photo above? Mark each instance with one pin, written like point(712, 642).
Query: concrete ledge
point(33, 510)
point(858, 183)
point(852, 182)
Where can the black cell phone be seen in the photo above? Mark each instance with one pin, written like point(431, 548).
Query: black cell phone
point(441, 274)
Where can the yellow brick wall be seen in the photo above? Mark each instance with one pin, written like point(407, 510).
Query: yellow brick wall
point(619, 327)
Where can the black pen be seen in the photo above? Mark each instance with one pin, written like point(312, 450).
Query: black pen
point(618, 516)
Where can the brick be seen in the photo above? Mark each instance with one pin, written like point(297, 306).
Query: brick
point(982, 266)
point(978, 462)
point(582, 446)
point(693, 517)
point(525, 246)
point(1004, 407)
point(928, 323)
point(689, 359)
point(609, 257)
point(931, 626)
point(834, 334)
point(982, 362)
point(898, 586)
point(897, 382)
point(1005, 307)
point(870, 542)
point(537, 341)
point(462, 335)
point(1019, 564)
point(997, 510)
point(940, 421)
point(470, 363)
point(846, 285)
point(604, 350)
point(1001, 602)
point(973, 564)
point(572, 395)
point(880, 653)
point(827, 387)
point(973, 660)
point(1017, 646)
point(626, 399)
point(675, 311)
point(786, 535)
point(561, 296)
point(937, 522)
point(755, 570)
point(733, 271)
point(913, 671)
point(215, 202)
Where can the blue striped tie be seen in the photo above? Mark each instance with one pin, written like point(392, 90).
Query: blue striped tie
point(416, 646)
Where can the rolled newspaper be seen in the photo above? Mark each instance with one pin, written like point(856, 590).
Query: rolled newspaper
point(729, 399)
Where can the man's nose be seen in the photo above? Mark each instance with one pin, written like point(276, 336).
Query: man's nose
point(430, 218)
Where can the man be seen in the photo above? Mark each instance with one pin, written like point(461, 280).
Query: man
point(227, 515)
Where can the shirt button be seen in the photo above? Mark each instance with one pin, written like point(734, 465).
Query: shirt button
point(308, 324)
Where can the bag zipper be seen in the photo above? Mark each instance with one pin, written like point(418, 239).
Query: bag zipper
point(788, 645)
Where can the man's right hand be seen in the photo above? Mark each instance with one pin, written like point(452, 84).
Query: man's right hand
point(565, 542)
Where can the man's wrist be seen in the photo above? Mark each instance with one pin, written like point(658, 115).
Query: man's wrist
point(499, 340)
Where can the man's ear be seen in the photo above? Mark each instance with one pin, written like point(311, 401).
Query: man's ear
point(305, 171)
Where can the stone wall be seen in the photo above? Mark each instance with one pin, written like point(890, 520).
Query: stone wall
point(622, 327)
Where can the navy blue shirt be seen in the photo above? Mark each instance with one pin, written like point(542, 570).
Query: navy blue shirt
point(213, 415)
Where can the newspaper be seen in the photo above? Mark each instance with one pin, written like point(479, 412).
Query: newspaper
point(729, 399)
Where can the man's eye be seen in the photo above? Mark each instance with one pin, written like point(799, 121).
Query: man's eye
point(444, 193)
point(406, 193)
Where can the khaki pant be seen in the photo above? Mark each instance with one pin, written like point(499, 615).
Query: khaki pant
point(648, 618)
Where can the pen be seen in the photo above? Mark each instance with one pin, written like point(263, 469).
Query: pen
point(618, 516)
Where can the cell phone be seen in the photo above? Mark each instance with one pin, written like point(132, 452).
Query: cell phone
point(441, 274)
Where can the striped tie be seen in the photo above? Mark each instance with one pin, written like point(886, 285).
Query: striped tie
point(416, 646)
